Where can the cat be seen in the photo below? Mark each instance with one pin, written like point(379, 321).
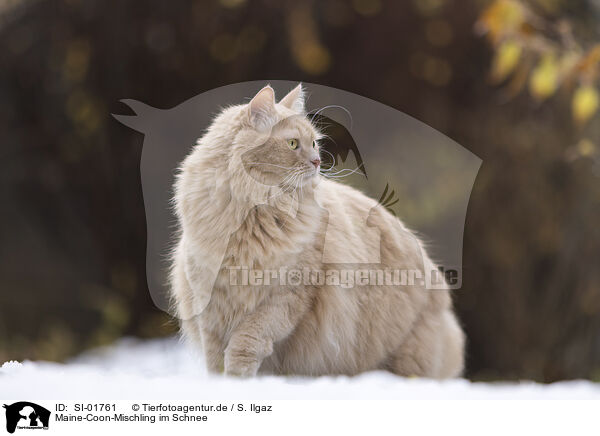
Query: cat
point(251, 198)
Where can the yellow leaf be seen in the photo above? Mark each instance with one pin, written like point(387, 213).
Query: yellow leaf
point(585, 103)
point(505, 61)
point(501, 18)
point(544, 78)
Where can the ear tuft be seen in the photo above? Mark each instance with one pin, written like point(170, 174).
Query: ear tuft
point(261, 109)
point(294, 100)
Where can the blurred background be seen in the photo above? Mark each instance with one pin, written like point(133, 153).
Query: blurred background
point(512, 81)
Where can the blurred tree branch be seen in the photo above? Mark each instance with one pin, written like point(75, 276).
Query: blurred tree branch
point(530, 48)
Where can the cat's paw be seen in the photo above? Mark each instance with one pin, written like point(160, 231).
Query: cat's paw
point(244, 354)
point(241, 363)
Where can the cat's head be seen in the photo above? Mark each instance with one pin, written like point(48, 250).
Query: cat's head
point(276, 144)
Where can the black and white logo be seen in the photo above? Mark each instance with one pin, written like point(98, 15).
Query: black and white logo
point(26, 415)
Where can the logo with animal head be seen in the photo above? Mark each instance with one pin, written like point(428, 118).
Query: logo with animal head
point(417, 173)
point(26, 415)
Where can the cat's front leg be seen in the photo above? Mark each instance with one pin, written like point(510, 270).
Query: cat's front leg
point(213, 351)
point(272, 322)
point(245, 353)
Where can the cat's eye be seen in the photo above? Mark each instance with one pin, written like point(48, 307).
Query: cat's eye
point(314, 144)
point(292, 143)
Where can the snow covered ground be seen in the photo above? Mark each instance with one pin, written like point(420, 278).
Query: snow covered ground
point(166, 369)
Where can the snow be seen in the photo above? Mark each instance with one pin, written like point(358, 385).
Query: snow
point(166, 369)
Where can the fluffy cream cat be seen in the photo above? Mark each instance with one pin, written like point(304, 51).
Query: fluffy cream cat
point(250, 200)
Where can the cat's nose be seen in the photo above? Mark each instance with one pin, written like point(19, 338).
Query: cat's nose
point(316, 162)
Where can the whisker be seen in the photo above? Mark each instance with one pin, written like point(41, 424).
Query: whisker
point(339, 175)
point(286, 182)
point(274, 165)
point(294, 191)
point(335, 173)
point(332, 158)
point(334, 106)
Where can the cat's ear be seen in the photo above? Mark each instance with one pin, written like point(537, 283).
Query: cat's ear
point(294, 99)
point(261, 109)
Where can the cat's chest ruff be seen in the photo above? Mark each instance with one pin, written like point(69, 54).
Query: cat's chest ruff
point(241, 298)
point(269, 237)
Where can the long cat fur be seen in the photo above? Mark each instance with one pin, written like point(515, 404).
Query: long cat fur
point(235, 209)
